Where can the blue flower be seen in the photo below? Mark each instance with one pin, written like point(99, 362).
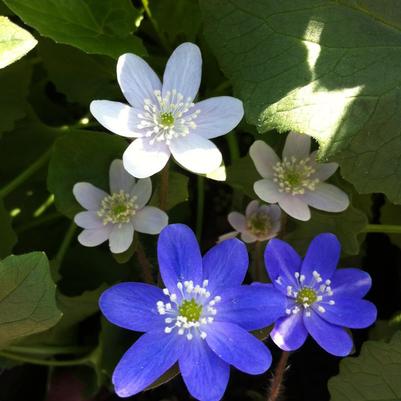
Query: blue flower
point(201, 319)
point(320, 300)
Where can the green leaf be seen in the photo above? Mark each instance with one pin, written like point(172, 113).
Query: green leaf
point(391, 214)
point(326, 68)
point(15, 42)
point(95, 26)
point(8, 237)
point(375, 375)
point(27, 297)
point(81, 156)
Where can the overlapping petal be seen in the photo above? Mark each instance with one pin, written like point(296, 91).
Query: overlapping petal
point(267, 190)
point(237, 221)
point(121, 237)
point(94, 237)
point(142, 190)
point(289, 332)
point(88, 220)
point(297, 145)
point(119, 179)
point(327, 197)
point(150, 220)
point(295, 207)
point(88, 195)
point(350, 282)
point(264, 158)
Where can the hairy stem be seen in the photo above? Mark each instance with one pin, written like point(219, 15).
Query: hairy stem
point(146, 266)
point(200, 205)
point(276, 386)
point(163, 192)
point(382, 228)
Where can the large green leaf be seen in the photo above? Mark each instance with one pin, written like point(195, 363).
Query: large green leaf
point(15, 42)
point(95, 26)
point(375, 375)
point(7, 235)
point(27, 297)
point(327, 68)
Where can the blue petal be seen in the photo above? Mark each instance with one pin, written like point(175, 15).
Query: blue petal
point(282, 261)
point(289, 333)
point(237, 347)
point(251, 306)
point(133, 306)
point(183, 71)
point(350, 282)
point(152, 355)
point(179, 256)
point(226, 264)
point(333, 339)
point(322, 256)
point(349, 312)
point(204, 373)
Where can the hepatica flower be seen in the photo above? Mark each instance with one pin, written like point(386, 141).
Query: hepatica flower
point(117, 215)
point(164, 117)
point(297, 181)
point(201, 319)
point(320, 300)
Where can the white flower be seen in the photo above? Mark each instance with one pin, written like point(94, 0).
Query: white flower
point(117, 215)
point(260, 223)
point(164, 118)
point(297, 180)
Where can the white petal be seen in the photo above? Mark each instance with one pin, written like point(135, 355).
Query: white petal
point(119, 179)
point(143, 160)
point(94, 237)
point(325, 170)
point(121, 237)
point(273, 211)
point(295, 207)
point(137, 80)
point(196, 154)
point(183, 71)
point(142, 190)
point(150, 220)
point(248, 237)
point(237, 221)
point(252, 207)
point(117, 117)
point(327, 197)
point(297, 145)
point(231, 234)
point(264, 158)
point(267, 190)
point(218, 115)
point(88, 220)
point(88, 195)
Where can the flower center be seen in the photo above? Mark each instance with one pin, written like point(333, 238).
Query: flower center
point(168, 117)
point(293, 176)
point(189, 311)
point(117, 208)
point(306, 296)
point(259, 224)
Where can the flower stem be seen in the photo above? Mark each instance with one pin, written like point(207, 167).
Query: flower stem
point(200, 197)
point(65, 244)
point(163, 192)
point(382, 228)
point(257, 266)
point(146, 266)
point(276, 386)
point(20, 179)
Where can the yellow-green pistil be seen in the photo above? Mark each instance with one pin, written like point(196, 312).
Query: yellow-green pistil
point(259, 224)
point(306, 296)
point(167, 119)
point(191, 310)
point(117, 208)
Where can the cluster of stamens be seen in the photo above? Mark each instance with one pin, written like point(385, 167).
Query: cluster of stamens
point(259, 223)
point(190, 311)
point(170, 117)
point(317, 291)
point(293, 176)
point(117, 208)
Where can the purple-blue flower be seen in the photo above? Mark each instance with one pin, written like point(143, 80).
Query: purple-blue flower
point(201, 319)
point(320, 300)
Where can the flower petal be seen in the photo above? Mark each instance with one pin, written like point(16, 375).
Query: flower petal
point(121, 237)
point(327, 197)
point(253, 206)
point(349, 312)
point(141, 159)
point(150, 220)
point(237, 347)
point(251, 306)
point(273, 211)
point(218, 115)
point(179, 256)
point(295, 207)
point(333, 339)
point(204, 373)
point(225, 264)
point(133, 306)
point(267, 190)
point(94, 237)
point(119, 179)
point(118, 118)
point(237, 221)
point(297, 145)
point(88, 196)
point(196, 154)
point(324, 170)
point(282, 262)
point(183, 71)
point(248, 237)
point(137, 80)
point(142, 190)
point(152, 355)
point(264, 158)
point(322, 256)
point(88, 220)
point(289, 332)
point(350, 282)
